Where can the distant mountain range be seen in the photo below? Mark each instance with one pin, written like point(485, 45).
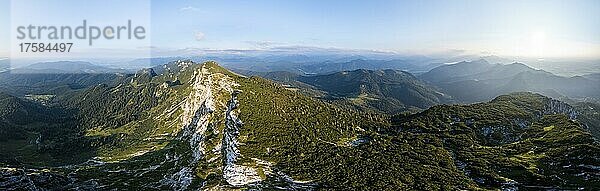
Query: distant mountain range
point(411, 66)
point(64, 67)
point(307, 61)
point(315, 66)
point(299, 63)
point(392, 91)
point(481, 81)
point(4, 65)
point(57, 77)
point(466, 81)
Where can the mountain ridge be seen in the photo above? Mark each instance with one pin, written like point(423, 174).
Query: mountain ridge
point(387, 90)
point(219, 130)
point(479, 81)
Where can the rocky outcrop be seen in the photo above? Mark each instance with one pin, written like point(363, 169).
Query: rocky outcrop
point(235, 174)
point(197, 110)
point(557, 107)
point(201, 111)
point(31, 179)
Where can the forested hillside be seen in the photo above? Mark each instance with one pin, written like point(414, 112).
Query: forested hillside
point(386, 91)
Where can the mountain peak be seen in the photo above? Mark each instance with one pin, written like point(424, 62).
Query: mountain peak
point(480, 61)
point(519, 64)
point(464, 68)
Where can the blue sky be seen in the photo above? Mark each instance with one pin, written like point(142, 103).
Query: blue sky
point(515, 28)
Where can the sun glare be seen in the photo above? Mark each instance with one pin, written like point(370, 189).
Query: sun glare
point(538, 43)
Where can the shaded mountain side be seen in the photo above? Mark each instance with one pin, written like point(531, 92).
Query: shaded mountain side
point(475, 70)
point(479, 81)
point(388, 91)
point(574, 87)
point(589, 115)
point(500, 71)
point(4, 65)
point(539, 82)
point(445, 73)
point(375, 88)
point(32, 133)
point(217, 130)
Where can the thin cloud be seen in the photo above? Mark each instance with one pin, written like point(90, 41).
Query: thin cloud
point(189, 8)
point(199, 36)
point(264, 44)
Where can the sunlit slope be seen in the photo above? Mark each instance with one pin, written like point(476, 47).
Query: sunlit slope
point(229, 129)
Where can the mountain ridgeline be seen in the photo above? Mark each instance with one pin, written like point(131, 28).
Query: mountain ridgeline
point(391, 91)
point(388, 91)
point(187, 125)
point(481, 81)
point(27, 81)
